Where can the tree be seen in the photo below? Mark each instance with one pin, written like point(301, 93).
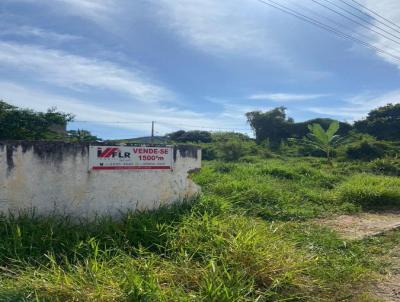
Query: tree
point(175, 136)
point(271, 125)
point(300, 130)
point(197, 136)
point(383, 123)
point(226, 136)
point(26, 124)
point(326, 141)
point(82, 136)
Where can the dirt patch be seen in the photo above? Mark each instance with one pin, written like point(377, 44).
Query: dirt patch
point(372, 224)
point(389, 288)
point(363, 225)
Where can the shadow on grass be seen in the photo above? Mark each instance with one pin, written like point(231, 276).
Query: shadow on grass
point(14, 295)
point(29, 238)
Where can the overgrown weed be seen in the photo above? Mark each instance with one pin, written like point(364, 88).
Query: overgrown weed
point(248, 237)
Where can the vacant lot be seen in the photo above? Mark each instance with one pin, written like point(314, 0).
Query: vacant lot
point(253, 235)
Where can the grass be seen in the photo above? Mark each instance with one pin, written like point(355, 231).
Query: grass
point(371, 191)
point(249, 237)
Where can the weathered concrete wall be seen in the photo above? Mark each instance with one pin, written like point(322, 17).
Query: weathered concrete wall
point(53, 177)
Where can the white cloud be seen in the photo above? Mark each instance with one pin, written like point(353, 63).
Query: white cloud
point(95, 10)
point(238, 111)
point(168, 119)
point(77, 72)
point(36, 32)
point(101, 12)
point(368, 101)
point(390, 10)
point(221, 27)
point(286, 97)
point(357, 107)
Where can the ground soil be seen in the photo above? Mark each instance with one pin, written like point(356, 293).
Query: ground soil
point(371, 224)
point(363, 225)
point(389, 288)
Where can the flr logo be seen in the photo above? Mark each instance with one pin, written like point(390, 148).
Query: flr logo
point(112, 152)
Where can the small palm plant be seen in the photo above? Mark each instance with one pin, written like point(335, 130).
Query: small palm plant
point(326, 141)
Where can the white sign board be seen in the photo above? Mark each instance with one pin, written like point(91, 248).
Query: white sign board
point(130, 158)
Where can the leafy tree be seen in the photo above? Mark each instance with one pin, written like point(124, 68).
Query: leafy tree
point(175, 136)
point(271, 125)
point(300, 130)
point(383, 123)
point(82, 136)
point(326, 141)
point(26, 124)
point(225, 136)
point(196, 136)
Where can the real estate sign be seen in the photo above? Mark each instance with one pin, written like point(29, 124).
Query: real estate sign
point(130, 158)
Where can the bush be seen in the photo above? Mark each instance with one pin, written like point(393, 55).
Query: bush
point(250, 159)
point(226, 136)
point(371, 191)
point(232, 150)
point(282, 173)
point(232, 147)
point(368, 150)
point(196, 136)
point(208, 152)
point(386, 166)
point(222, 167)
point(293, 148)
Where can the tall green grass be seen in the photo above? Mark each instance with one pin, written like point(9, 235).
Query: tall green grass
point(204, 258)
point(249, 237)
point(371, 191)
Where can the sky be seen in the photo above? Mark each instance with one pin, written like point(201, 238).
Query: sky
point(118, 65)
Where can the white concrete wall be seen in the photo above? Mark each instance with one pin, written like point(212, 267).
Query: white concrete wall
point(54, 178)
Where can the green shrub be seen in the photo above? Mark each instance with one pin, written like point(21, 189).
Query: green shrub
point(283, 173)
point(250, 159)
point(386, 166)
point(371, 191)
point(232, 150)
point(370, 150)
point(194, 136)
point(222, 167)
point(292, 148)
point(226, 136)
point(209, 152)
point(365, 151)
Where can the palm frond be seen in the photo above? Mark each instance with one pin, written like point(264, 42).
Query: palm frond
point(333, 129)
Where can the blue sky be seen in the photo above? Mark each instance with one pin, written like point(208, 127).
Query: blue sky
point(188, 64)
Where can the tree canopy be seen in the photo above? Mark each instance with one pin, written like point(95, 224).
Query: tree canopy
point(197, 136)
point(26, 124)
point(17, 123)
point(81, 136)
point(270, 125)
point(382, 123)
point(274, 126)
